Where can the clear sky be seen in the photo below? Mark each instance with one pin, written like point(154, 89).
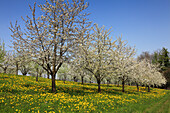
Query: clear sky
point(143, 23)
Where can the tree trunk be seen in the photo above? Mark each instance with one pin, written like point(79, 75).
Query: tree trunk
point(64, 80)
point(137, 86)
point(74, 78)
point(40, 74)
point(117, 83)
point(90, 80)
point(5, 70)
point(129, 83)
point(123, 85)
point(53, 83)
point(82, 82)
point(148, 88)
point(99, 89)
point(16, 68)
point(24, 73)
point(108, 82)
point(37, 75)
point(48, 76)
point(53, 74)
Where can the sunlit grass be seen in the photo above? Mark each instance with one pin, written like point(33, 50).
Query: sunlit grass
point(24, 94)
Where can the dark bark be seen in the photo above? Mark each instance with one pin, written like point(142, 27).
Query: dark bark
point(137, 85)
point(53, 83)
point(82, 80)
point(24, 73)
point(48, 76)
point(74, 78)
point(53, 74)
point(98, 82)
point(129, 83)
point(5, 69)
point(108, 82)
point(148, 88)
point(117, 83)
point(123, 85)
point(90, 80)
point(55, 70)
point(40, 74)
point(37, 75)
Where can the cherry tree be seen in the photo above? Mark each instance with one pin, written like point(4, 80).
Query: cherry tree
point(6, 61)
point(146, 73)
point(94, 53)
point(36, 70)
point(82, 73)
point(122, 61)
point(16, 61)
point(2, 51)
point(83, 34)
point(63, 72)
point(108, 80)
point(137, 73)
point(50, 38)
point(24, 63)
point(150, 74)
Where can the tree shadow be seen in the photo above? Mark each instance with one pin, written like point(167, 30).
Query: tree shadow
point(73, 90)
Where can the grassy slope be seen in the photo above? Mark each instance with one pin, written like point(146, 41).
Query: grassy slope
point(24, 94)
point(161, 106)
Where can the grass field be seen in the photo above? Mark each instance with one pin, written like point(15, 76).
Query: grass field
point(23, 94)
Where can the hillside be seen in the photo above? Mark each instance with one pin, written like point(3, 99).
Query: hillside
point(23, 94)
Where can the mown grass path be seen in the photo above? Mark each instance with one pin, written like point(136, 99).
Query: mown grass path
point(161, 106)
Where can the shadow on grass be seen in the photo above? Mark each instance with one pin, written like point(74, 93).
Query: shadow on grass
point(76, 91)
point(30, 88)
point(87, 91)
point(4, 77)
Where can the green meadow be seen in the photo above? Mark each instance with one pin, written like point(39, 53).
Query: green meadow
point(22, 94)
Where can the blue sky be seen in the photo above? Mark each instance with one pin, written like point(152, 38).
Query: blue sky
point(143, 23)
